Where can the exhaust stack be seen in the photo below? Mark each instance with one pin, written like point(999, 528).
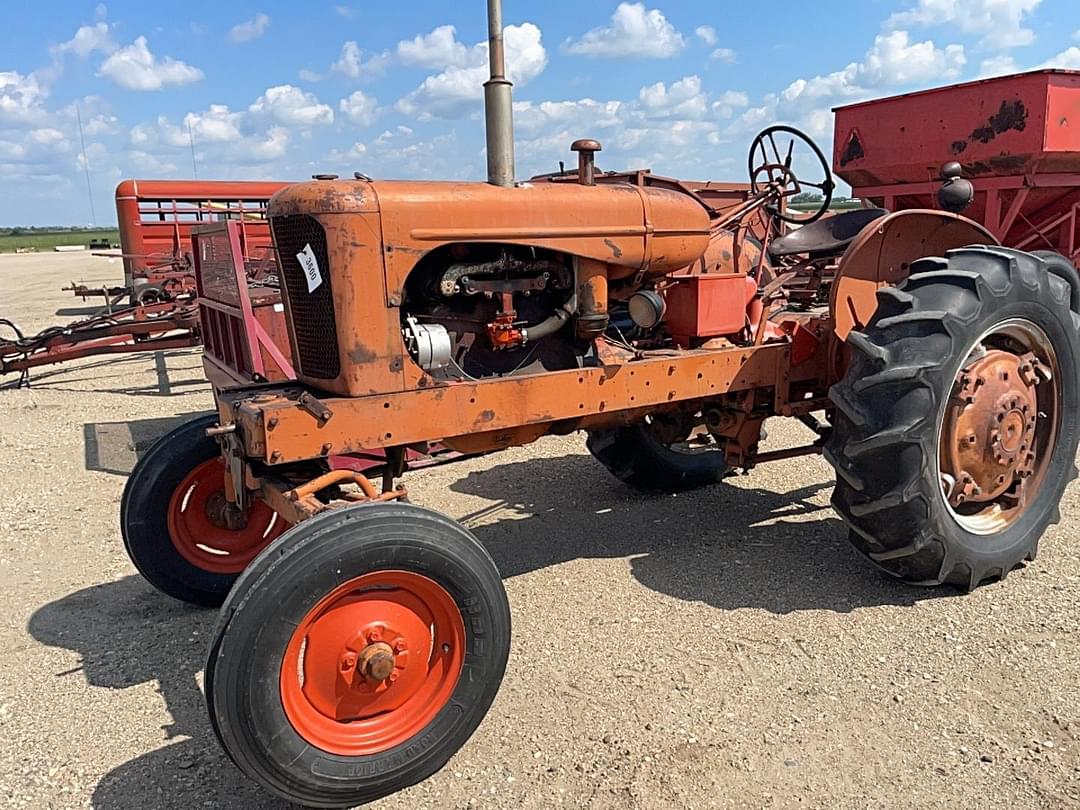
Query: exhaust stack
point(498, 105)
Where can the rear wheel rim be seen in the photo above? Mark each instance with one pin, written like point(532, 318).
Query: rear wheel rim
point(199, 533)
point(998, 427)
point(373, 663)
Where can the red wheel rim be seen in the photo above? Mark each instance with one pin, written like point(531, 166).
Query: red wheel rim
point(198, 531)
point(373, 663)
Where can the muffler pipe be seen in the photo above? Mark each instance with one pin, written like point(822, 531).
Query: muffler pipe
point(498, 104)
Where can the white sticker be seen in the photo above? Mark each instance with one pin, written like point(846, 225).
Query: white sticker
point(279, 307)
point(306, 257)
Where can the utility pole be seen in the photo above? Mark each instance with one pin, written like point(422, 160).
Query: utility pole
point(191, 143)
point(86, 167)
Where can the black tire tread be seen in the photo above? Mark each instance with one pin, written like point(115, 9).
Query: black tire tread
point(143, 508)
point(311, 546)
point(884, 441)
point(641, 462)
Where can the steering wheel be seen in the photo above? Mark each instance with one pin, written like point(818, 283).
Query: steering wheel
point(770, 168)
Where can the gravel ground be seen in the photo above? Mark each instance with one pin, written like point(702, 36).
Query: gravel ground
point(720, 649)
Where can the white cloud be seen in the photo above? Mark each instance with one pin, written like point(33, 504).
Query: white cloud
point(634, 32)
point(150, 164)
point(892, 61)
point(136, 68)
point(683, 99)
point(47, 136)
point(669, 127)
point(1068, 59)
point(11, 151)
point(707, 34)
point(1000, 65)
point(438, 50)
point(725, 55)
point(21, 98)
point(290, 105)
point(728, 102)
point(96, 115)
point(221, 135)
point(1000, 22)
point(360, 108)
point(345, 11)
point(87, 39)
point(251, 29)
point(548, 116)
point(895, 59)
point(352, 65)
point(270, 146)
point(457, 91)
point(355, 152)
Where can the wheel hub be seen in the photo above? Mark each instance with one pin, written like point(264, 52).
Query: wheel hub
point(988, 441)
point(373, 662)
point(376, 662)
point(206, 531)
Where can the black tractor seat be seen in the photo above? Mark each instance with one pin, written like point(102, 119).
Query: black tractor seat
point(827, 236)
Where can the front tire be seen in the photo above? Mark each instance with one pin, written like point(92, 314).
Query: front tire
point(170, 518)
point(951, 452)
point(357, 654)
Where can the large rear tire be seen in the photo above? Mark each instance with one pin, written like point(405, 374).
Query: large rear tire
point(170, 518)
point(956, 425)
point(357, 654)
point(635, 456)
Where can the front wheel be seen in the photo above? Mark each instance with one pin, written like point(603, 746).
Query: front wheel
point(957, 422)
point(172, 518)
point(357, 654)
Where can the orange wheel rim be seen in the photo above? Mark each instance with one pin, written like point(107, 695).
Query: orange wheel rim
point(197, 528)
point(999, 426)
point(373, 663)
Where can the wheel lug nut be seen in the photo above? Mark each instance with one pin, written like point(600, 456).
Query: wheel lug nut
point(400, 646)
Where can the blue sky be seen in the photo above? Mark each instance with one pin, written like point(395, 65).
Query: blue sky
point(275, 90)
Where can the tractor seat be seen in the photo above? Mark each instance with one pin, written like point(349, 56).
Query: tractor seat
point(827, 236)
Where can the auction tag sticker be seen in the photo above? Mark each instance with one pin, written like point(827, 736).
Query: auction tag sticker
point(306, 257)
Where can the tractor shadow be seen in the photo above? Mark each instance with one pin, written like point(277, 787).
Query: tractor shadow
point(115, 447)
point(727, 546)
point(128, 634)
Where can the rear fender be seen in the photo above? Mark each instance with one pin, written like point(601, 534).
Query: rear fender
point(882, 254)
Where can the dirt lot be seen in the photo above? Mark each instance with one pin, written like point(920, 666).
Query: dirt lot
point(720, 649)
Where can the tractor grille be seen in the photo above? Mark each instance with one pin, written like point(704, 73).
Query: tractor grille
point(314, 327)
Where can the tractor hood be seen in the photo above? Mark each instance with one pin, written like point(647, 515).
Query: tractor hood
point(634, 229)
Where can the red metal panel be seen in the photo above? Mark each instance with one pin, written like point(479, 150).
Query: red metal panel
point(992, 127)
point(1063, 116)
point(1021, 151)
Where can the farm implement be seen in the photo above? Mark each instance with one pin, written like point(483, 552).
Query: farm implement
point(361, 638)
point(154, 309)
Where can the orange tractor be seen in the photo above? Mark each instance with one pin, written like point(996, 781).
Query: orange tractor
point(366, 637)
